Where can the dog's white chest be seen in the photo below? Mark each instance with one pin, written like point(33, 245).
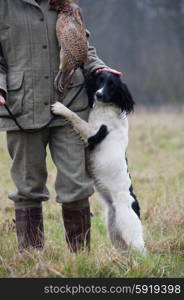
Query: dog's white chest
point(105, 113)
point(110, 116)
point(108, 158)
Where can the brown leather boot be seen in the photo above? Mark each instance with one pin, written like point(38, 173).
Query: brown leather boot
point(77, 225)
point(29, 228)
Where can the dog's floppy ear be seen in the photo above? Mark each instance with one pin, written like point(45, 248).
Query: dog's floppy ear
point(124, 98)
point(90, 84)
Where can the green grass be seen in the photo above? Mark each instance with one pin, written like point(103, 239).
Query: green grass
point(156, 152)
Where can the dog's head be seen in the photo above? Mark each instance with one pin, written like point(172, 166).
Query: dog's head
point(108, 88)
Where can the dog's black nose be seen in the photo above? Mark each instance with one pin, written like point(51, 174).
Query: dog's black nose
point(99, 95)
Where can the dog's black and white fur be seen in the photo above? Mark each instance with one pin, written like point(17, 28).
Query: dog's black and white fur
point(107, 135)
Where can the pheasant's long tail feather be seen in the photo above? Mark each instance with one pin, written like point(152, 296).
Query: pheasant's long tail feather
point(62, 81)
point(57, 80)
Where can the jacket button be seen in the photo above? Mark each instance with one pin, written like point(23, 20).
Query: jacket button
point(46, 77)
point(46, 103)
point(41, 19)
point(44, 46)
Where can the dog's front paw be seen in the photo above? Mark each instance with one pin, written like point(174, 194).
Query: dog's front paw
point(58, 109)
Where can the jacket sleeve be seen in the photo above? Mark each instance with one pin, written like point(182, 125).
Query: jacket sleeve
point(3, 72)
point(93, 62)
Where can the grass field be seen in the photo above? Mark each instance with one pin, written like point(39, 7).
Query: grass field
point(156, 163)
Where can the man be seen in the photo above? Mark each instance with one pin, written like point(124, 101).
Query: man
point(29, 60)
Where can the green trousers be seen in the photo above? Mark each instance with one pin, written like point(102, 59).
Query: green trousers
point(29, 170)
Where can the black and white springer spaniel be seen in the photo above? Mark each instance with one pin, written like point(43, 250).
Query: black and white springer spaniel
point(107, 136)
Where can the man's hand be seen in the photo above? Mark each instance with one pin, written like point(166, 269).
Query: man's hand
point(2, 100)
point(110, 71)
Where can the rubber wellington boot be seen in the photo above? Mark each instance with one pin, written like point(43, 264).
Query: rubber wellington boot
point(29, 228)
point(77, 225)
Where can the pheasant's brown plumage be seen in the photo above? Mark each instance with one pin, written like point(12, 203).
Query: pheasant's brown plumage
point(71, 35)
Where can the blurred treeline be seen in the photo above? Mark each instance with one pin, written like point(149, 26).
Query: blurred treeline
point(145, 40)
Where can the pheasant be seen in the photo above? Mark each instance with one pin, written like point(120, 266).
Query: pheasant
point(71, 35)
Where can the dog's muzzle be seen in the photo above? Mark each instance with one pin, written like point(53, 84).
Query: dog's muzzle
point(99, 95)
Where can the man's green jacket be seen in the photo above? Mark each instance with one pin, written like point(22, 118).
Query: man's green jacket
point(29, 61)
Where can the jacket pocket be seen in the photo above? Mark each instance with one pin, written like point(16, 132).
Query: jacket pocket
point(15, 87)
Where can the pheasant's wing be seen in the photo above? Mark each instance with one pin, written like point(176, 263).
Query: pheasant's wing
point(72, 39)
point(73, 52)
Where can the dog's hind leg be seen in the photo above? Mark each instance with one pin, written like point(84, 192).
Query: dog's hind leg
point(124, 226)
point(127, 223)
point(111, 218)
point(114, 234)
